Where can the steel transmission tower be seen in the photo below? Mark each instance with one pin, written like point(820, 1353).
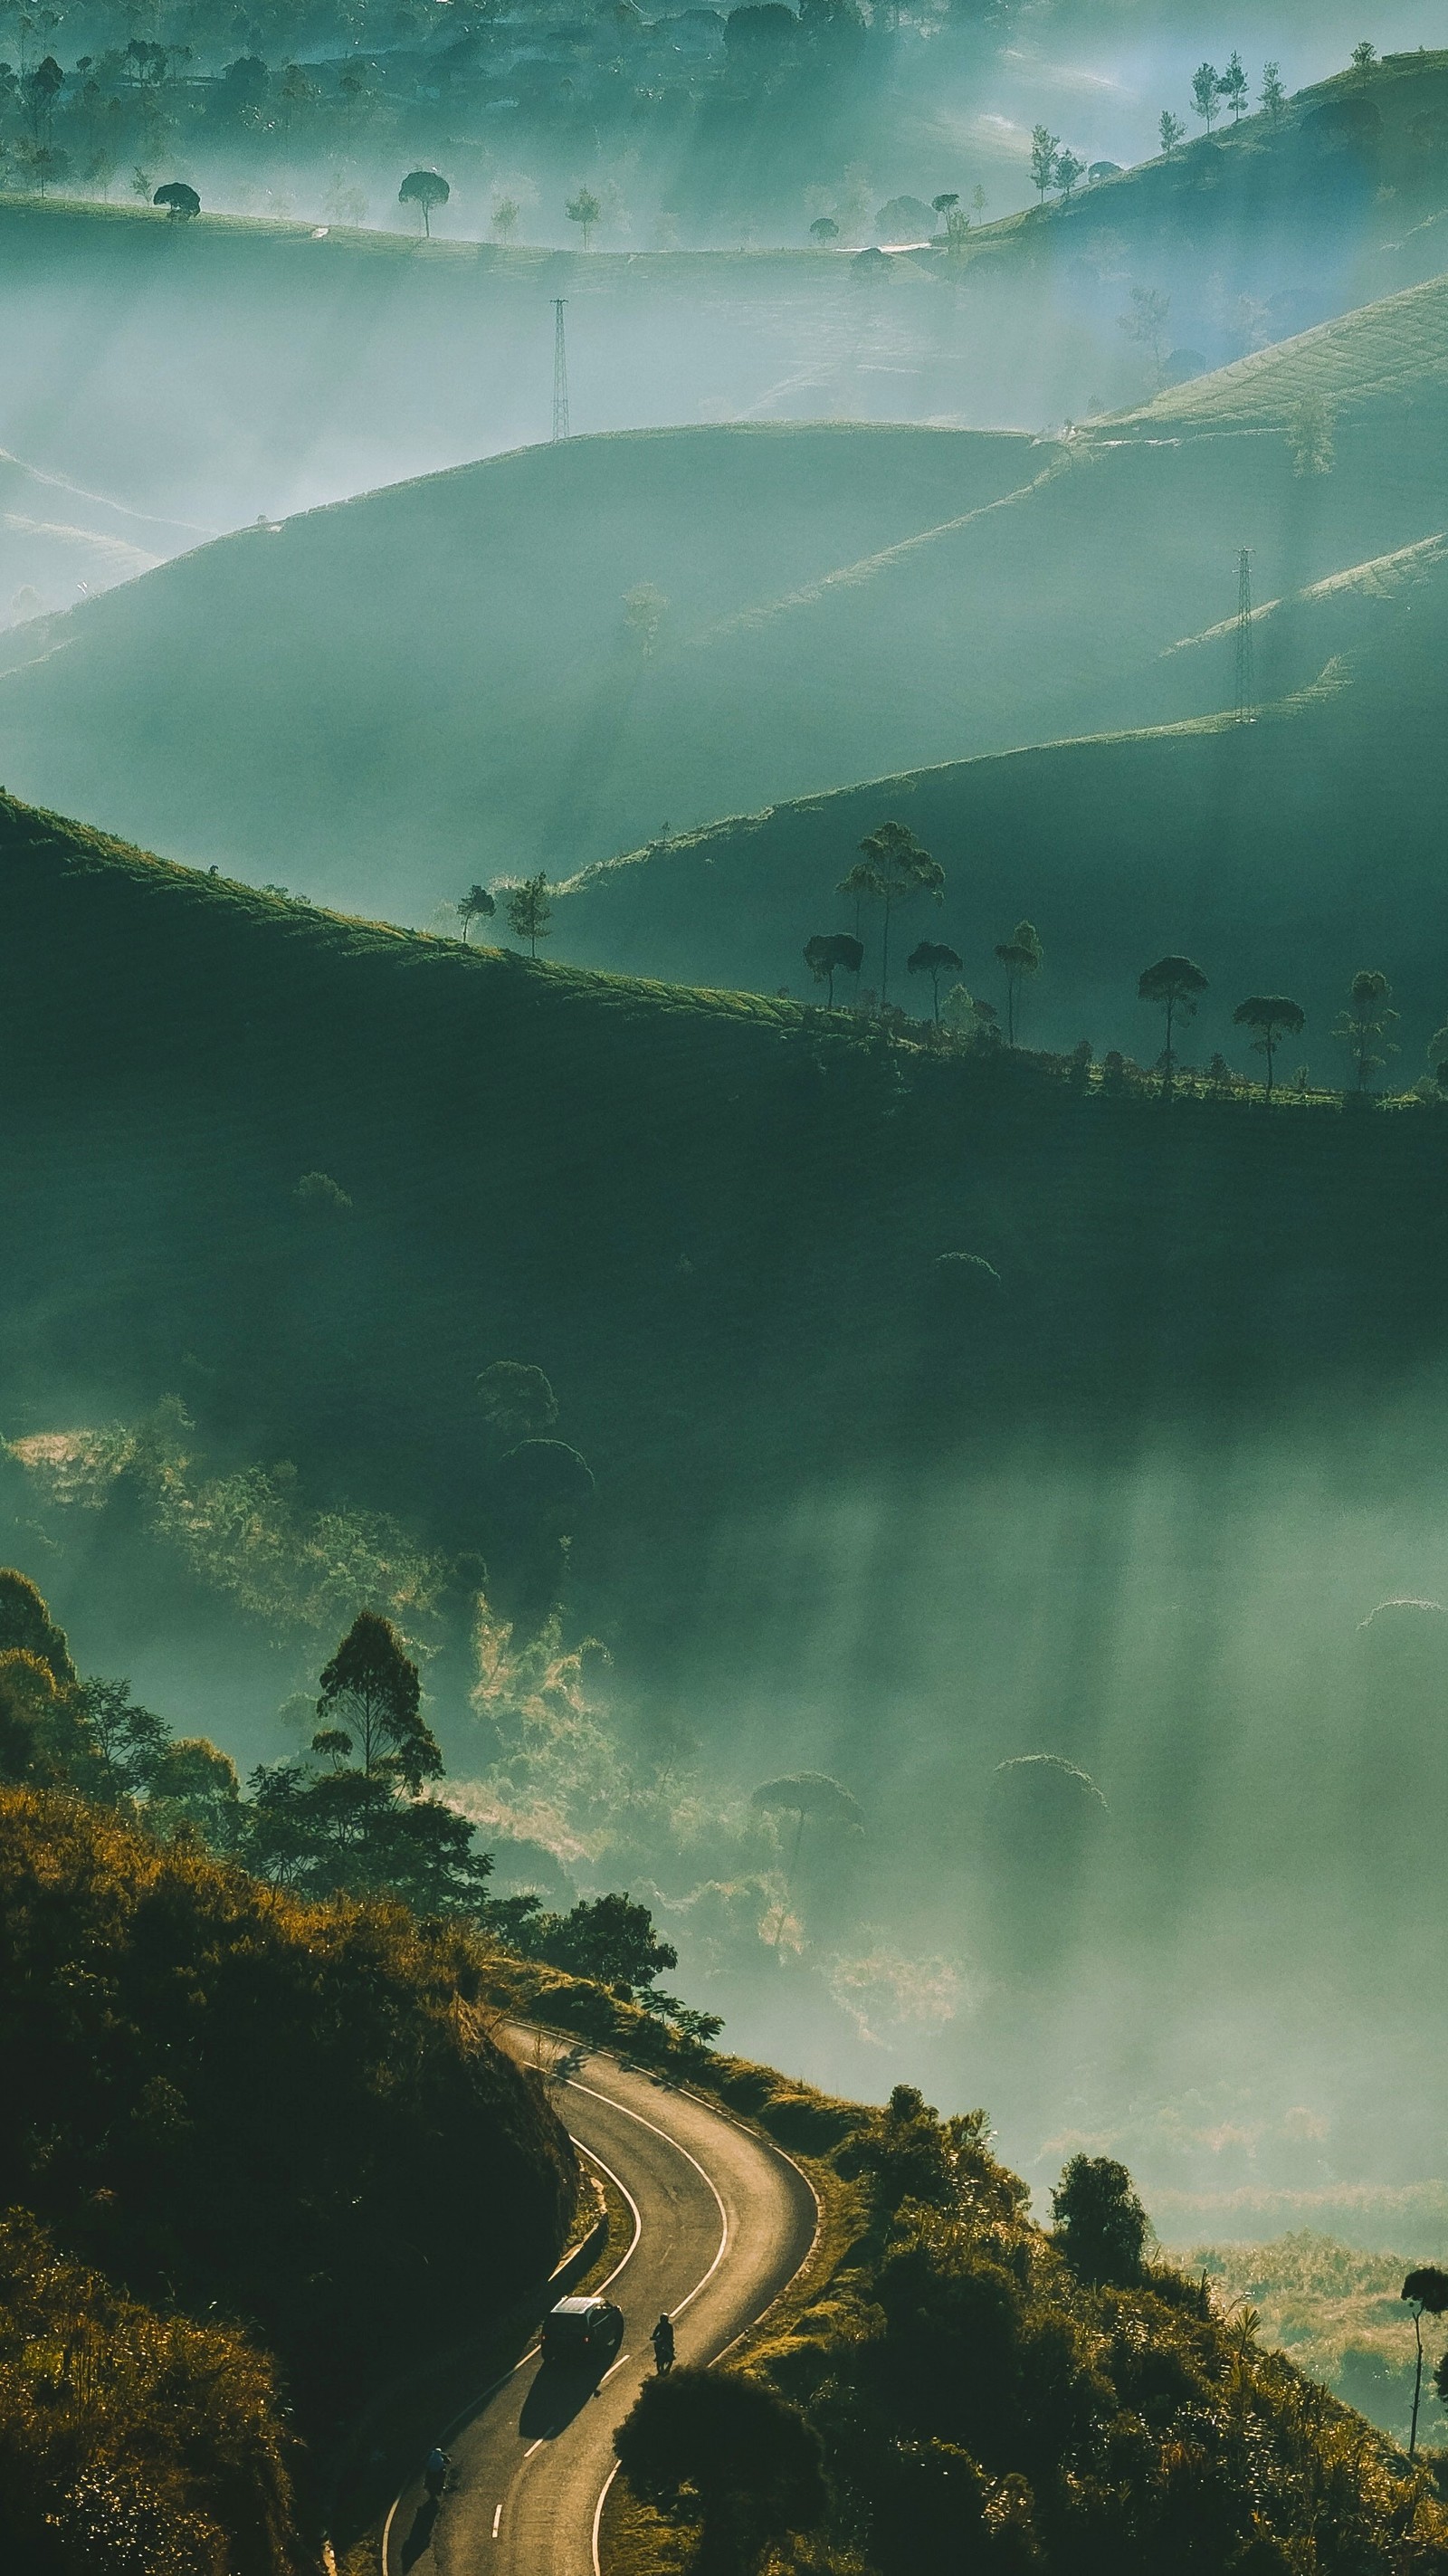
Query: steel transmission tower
point(1246, 656)
point(560, 373)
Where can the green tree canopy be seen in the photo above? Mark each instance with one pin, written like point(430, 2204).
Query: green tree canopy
point(1363, 1027)
point(930, 959)
point(1273, 1017)
point(1176, 986)
point(832, 953)
point(371, 1692)
point(1021, 956)
point(530, 914)
point(584, 210)
point(1100, 2225)
point(424, 189)
point(893, 870)
point(476, 905)
point(714, 2449)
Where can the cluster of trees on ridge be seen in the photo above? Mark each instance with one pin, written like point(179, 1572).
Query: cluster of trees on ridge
point(357, 1820)
point(894, 872)
point(970, 2389)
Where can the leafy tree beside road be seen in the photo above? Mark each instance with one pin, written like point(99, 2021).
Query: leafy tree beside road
point(722, 2453)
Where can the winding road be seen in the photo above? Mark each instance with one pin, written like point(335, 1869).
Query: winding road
point(721, 2222)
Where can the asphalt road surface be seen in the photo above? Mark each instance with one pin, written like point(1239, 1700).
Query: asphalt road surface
point(721, 2222)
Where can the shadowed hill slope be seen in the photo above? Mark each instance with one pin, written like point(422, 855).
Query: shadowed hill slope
point(1260, 226)
point(679, 1204)
point(1284, 855)
point(542, 660)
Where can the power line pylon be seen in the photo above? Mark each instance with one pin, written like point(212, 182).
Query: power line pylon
point(1246, 652)
point(560, 373)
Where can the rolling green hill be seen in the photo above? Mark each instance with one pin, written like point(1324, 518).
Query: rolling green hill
point(545, 659)
point(1341, 197)
point(1283, 856)
point(639, 1186)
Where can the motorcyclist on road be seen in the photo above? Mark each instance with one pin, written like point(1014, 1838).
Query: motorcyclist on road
point(434, 2476)
point(662, 2340)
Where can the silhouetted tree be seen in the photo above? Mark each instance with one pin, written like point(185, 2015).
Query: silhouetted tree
point(1274, 96)
point(893, 869)
point(1069, 168)
point(1020, 955)
point(424, 188)
point(824, 230)
point(1147, 320)
point(516, 1401)
point(1427, 2288)
point(832, 953)
point(803, 1794)
point(530, 914)
point(609, 1938)
point(1100, 2225)
point(717, 2450)
point(181, 202)
point(928, 959)
point(1172, 132)
point(1274, 1018)
point(371, 1693)
point(584, 210)
point(1364, 56)
point(1044, 147)
point(1233, 86)
point(1207, 93)
point(476, 905)
point(1363, 1027)
point(1176, 986)
point(131, 1741)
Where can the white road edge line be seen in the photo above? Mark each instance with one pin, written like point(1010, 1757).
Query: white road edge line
point(497, 2518)
point(475, 2404)
point(598, 2517)
point(612, 2367)
point(612, 2105)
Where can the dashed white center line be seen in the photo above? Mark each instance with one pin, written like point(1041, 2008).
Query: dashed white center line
point(497, 2518)
point(537, 2446)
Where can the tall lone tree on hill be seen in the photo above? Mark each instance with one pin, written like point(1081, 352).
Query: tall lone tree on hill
point(1101, 2226)
point(424, 188)
point(1363, 1027)
point(930, 960)
point(893, 869)
point(530, 914)
point(1207, 93)
point(1044, 147)
point(1234, 86)
point(1020, 955)
point(1172, 132)
point(371, 1698)
point(832, 953)
point(476, 905)
point(1069, 168)
point(1274, 97)
point(1273, 1017)
point(584, 210)
point(1427, 2288)
point(1176, 986)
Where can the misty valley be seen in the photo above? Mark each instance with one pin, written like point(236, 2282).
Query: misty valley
point(723, 1384)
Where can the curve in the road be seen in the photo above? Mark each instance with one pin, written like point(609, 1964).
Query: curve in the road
point(722, 2222)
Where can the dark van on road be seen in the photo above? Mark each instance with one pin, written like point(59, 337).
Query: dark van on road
point(582, 2330)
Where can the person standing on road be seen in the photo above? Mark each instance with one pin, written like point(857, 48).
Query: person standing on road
point(662, 2340)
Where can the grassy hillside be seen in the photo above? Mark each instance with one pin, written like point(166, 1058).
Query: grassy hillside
point(638, 1186)
point(1263, 224)
point(1260, 851)
point(583, 645)
point(228, 367)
